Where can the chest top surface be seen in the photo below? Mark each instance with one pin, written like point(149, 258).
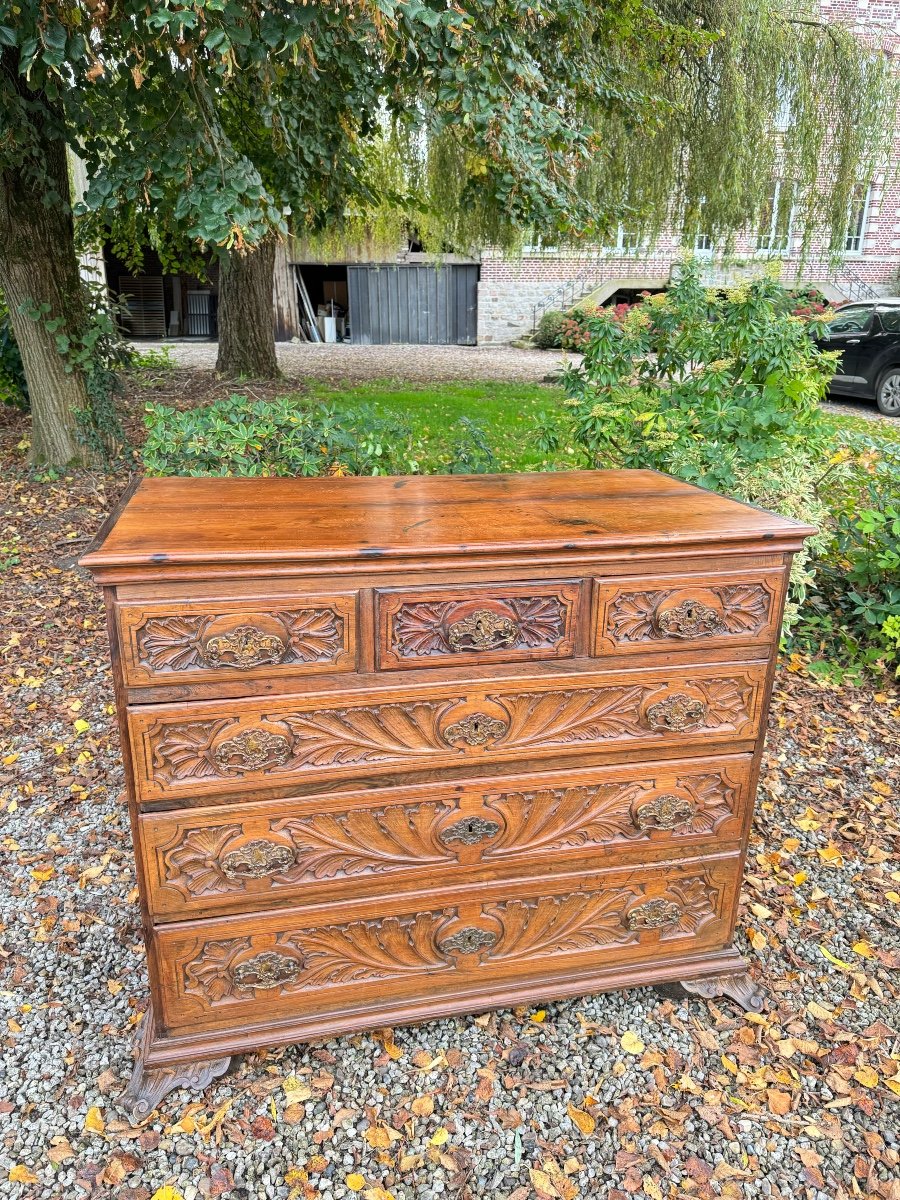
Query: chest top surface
point(202, 521)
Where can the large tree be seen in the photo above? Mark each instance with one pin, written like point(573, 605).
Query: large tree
point(214, 123)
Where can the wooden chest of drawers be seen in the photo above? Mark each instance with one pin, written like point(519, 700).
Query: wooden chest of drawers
point(399, 748)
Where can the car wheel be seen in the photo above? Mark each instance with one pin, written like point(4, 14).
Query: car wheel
point(888, 395)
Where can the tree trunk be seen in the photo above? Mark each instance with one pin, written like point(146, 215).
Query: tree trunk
point(38, 267)
point(246, 314)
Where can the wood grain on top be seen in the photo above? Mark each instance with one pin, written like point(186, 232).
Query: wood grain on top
point(184, 520)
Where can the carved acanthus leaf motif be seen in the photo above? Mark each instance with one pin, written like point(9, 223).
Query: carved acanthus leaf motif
point(685, 908)
point(381, 732)
point(715, 799)
point(171, 643)
point(184, 751)
point(210, 974)
point(434, 627)
point(560, 924)
point(187, 642)
point(365, 841)
point(739, 986)
point(561, 718)
point(562, 818)
point(364, 950)
point(642, 616)
point(193, 865)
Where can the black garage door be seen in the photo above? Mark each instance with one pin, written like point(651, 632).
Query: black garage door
point(431, 305)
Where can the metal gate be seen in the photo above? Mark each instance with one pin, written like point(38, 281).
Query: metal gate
point(419, 304)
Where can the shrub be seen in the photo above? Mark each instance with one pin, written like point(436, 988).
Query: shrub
point(13, 388)
point(721, 389)
point(283, 436)
point(548, 335)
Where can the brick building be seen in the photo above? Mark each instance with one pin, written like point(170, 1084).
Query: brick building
point(512, 293)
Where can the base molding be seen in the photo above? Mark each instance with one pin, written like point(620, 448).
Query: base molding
point(165, 1062)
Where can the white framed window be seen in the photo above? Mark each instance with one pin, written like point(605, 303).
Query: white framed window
point(627, 242)
point(858, 219)
point(704, 245)
point(776, 228)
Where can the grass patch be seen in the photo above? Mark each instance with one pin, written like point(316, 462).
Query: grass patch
point(507, 413)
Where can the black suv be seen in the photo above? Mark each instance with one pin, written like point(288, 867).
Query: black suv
point(868, 334)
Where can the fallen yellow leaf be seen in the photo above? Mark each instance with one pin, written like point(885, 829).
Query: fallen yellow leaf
point(94, 1121)
point(440, 1136)
point(838, 962)
point(355, 1182)
point(422, 1106)
point(631, 1043)
point(866, 1076)
point(21, 1174)
point(81, 726)
point(380, 1137)
point(652, 1188)
point(167, 1192)
point(540, 1016)
point(582, 1119)
point(863, 949)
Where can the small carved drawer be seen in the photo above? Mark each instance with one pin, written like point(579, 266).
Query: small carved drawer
point(686, 611)
point(200, 641)
point(290, 964)
point(451, 626)
point(243, 745)
point(213, 860)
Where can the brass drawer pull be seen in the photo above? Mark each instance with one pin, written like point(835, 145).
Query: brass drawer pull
point(470, 831)
point(482, 630)
point(689, 619)
point(654, 914)
point(475, 730)
point(252, 750)
point(267, 970)
point(664, 812)
point(258, 859)
point(676, 713)
point(245, 647)
point(468, 941)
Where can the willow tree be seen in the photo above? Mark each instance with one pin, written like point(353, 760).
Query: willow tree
point(216, 123)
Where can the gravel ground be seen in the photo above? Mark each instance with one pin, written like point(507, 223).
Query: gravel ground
point(340, 362)
point(699, 1101)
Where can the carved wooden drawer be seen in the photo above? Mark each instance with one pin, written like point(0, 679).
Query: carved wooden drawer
point(260, 969)
point(687, 611)
point(246, 745)
point(199, 641)
point(452, 626)
point(209, 860)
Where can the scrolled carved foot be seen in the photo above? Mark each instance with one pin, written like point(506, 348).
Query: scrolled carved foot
point(148, 1086)
point(738, 985)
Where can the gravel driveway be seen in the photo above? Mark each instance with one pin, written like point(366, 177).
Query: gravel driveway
point(339, 362)
point(605, 1096)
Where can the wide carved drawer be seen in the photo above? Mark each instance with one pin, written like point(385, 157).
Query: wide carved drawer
point(686, 611)
point(200, 641)
point(262, 968)
point(246, 745)
point(454, 625)
point(203, 861)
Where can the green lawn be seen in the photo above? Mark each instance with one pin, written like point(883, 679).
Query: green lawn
point(507, 413)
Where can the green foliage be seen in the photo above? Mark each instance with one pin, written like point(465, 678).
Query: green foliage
point(720, 389)
point(13, 387)
point(283, 436)
point(471, 454)
point(853, 614)
point(549, 332)
point(99, 352)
